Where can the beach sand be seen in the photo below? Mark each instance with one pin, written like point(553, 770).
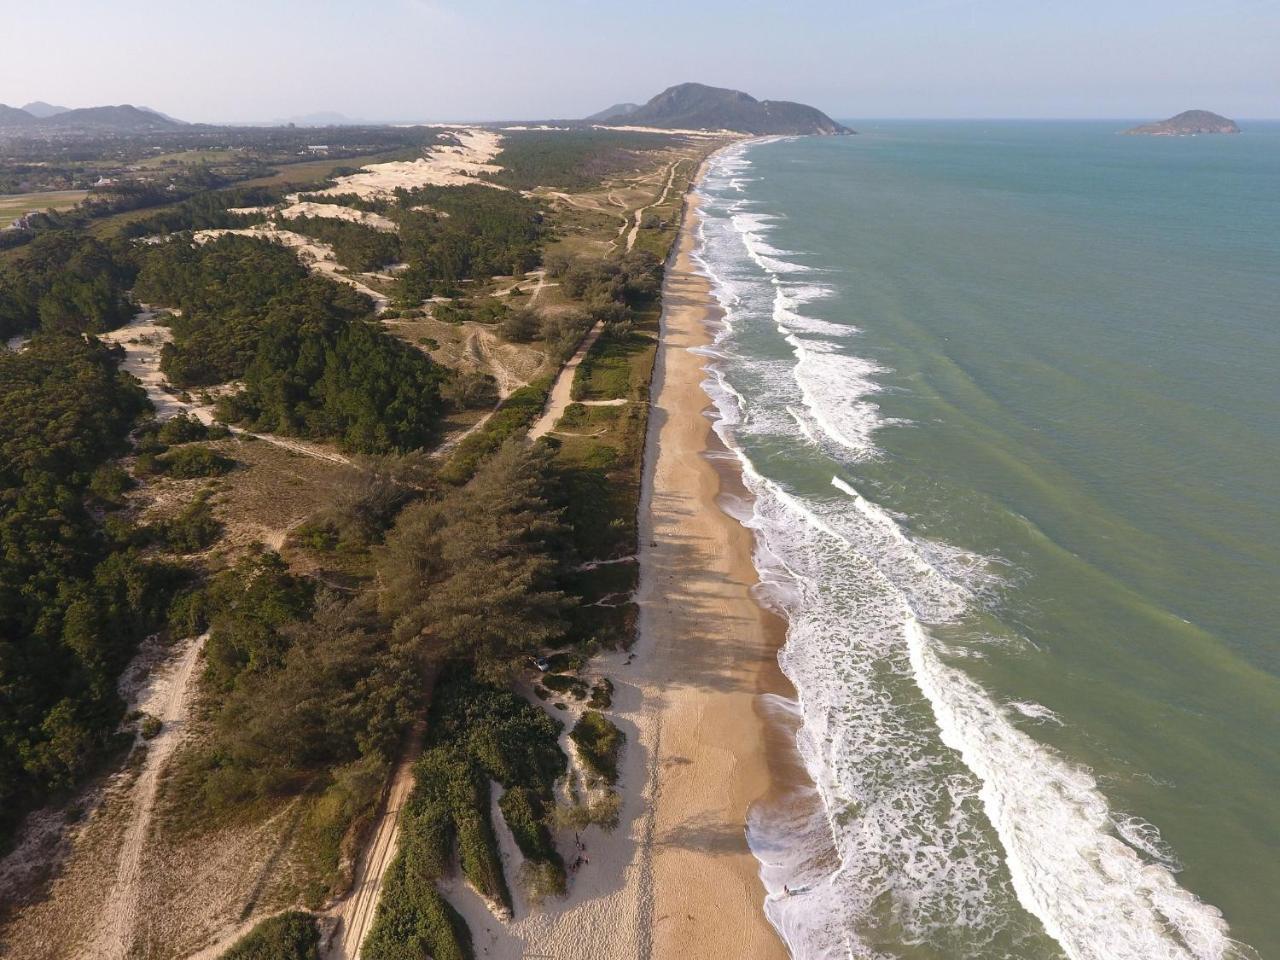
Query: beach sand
point(710, 652)
point(676, 879)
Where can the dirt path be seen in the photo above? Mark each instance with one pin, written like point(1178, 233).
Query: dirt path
point(480, 344)
point(169, 701)
point(358, 910)
point(562, 391)
point(297, 446)
point(662, 198)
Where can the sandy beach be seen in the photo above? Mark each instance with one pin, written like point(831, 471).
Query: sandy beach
point(709, 649)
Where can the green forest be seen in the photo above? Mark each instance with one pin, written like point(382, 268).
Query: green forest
point(76, 595)
point(311, 363)
point(69, 282)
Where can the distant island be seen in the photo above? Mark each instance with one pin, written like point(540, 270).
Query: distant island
point(695, 106)
point(1189, 123)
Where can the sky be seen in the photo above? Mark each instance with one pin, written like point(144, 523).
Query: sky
point(415, 60)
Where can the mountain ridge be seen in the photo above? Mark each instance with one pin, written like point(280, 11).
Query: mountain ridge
point(121, 118)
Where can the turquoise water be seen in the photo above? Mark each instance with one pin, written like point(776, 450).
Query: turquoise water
point(1007, 395)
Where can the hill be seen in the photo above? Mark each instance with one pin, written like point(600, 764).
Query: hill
point(123, 119)
point(697, 106)
point(616, 112)
point(120, 119)
point(1189, 123)
point(13, 117)
point(38, 108)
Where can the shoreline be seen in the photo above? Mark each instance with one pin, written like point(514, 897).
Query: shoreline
point(697, 584)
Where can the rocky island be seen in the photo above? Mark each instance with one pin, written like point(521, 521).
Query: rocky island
point(1189, 123)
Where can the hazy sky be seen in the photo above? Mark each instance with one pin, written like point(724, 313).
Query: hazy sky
point(223, 60)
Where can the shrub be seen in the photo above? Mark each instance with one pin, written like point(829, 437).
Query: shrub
point(289, 936)
point(599, 743)
point(188, 613)
point(603, 812)
point(520, 325)
point(601, 694)
point(414, 921)
point(541, 880)
point(194, 461)
point(194, 529)
point(109, 483)
point(564, 684)
point(470, 389)
point(182, 429)
point(525, 814)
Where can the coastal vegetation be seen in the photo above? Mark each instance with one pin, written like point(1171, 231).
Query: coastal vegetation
point(415, 592)
point(67, 282)
point(311, 365)
point(571, 159)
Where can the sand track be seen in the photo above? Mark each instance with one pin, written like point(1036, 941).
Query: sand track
point(662, 198)
point(562, 391)
point(356, 912)
point(169, 700)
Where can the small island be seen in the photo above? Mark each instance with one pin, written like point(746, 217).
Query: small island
point(1189, 123)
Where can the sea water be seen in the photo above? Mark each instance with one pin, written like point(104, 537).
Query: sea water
point(1007, 396)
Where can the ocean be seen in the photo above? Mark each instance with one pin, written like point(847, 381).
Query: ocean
point(1007, 397)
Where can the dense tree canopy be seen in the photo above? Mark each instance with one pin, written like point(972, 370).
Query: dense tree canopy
point(449, 234)
point(355, 246)
point(74, 600)
point(311, 364)
point(69, 282)
point(500, 531)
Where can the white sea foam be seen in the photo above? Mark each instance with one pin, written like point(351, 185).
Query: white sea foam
point(937, 821)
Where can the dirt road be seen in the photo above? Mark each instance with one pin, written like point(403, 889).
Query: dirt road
point(169, 701)
point(562, 391)
point(360, 907)
point(662, 198)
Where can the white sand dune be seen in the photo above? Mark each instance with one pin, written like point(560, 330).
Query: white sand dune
point(333, 211)
point(445, 165)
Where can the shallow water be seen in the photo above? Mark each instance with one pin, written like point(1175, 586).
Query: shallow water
point(1006, 396)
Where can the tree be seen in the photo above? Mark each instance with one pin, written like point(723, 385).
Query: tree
point(473, 574)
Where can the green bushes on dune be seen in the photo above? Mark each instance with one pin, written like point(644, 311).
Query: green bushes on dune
point(288, 936)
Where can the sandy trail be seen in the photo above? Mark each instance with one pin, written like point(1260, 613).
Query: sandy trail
point(483, 346)
point(358, 909)
point(562, 391)
point(662, 198)
point(169, 700)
